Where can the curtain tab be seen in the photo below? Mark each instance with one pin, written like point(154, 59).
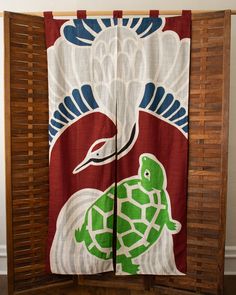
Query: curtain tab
point(153, 13)
point(187, 13)
point(81, 14)
point(117, 13)
point(48, 15)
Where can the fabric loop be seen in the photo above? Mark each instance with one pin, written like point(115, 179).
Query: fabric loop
point(48, 15)
point(154, 13)
point(187, 13)
point(81, 14)
point(117, 13)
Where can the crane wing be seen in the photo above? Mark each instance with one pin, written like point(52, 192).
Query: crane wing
point(80, 102)
point(160, 102)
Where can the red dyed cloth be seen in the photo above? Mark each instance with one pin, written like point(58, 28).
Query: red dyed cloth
point(118, 135)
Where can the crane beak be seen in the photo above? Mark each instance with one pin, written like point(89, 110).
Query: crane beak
point(82, 166)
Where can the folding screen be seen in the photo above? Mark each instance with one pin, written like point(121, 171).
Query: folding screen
point(26, 110)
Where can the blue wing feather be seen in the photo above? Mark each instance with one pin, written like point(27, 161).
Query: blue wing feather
point(79, 35)
point(159, 102)
point(81, 101)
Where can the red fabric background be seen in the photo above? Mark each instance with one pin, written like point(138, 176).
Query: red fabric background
point(179, 24)
point(155, 136)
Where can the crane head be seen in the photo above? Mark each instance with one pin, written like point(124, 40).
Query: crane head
point(102, 151)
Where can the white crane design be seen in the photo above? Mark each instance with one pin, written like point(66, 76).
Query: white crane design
point(118, 81)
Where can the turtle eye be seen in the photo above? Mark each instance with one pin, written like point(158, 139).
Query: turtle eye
point(147, 174)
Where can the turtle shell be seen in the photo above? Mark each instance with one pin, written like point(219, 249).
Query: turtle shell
point(97, 229)
point(140, 219)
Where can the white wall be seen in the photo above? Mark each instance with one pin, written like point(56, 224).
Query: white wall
point(2, 166)
point(230, 262)
point(29, 5)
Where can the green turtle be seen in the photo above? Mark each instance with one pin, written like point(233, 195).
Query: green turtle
point(143, 210)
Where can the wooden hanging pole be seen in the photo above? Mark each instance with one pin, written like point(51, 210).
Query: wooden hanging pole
point(125, 12)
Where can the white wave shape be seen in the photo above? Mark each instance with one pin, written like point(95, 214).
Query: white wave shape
point(69, 257)
point(66, 255)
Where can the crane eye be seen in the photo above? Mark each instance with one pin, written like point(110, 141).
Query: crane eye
point(147, 174)
point(97, 154)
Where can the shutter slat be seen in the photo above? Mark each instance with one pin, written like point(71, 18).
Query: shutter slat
point(27, 148)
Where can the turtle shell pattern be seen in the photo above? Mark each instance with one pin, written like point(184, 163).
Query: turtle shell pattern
point(142, 212)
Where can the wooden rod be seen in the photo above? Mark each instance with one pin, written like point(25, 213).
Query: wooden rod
point(125, 12)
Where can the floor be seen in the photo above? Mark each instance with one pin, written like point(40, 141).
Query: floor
point(229, 286)
point(3, 285)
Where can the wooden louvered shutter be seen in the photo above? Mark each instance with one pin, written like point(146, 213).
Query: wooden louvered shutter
point(26, 108)
point(27, 164)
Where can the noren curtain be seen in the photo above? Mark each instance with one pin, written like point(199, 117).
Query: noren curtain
point(118, 134)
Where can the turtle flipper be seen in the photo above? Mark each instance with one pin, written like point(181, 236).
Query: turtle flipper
point(127, 265)
point(78, 236)
point(173, 225)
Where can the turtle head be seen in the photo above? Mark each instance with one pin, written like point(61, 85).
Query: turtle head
point(151, 172)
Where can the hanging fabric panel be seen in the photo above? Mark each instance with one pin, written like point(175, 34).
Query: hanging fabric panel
point(118, 135)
